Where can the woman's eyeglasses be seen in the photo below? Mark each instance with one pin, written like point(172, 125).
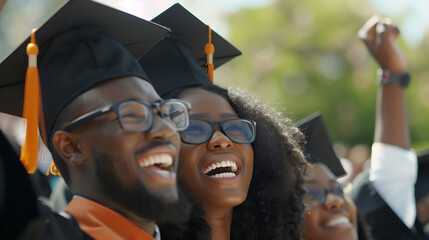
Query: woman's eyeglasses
point(317, 196)
point(135, 115)
point(237, 130)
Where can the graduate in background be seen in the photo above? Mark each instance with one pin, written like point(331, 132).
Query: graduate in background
point(113, 139)
point(330, 213)
point(385, 195)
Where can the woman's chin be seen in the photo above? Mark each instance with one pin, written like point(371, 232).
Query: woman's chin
point(228, 199)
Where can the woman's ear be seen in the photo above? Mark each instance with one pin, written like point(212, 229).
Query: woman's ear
point(68, 147)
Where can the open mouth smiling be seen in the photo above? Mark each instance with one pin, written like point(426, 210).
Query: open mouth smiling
point(221, 169)
point(160, 163)
point(338, 221)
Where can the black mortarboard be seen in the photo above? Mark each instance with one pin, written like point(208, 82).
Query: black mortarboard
point(80, 45)
point(318, 147)
point(422, 184)
point(178, 60)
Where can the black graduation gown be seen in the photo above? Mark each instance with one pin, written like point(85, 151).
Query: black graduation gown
point(381, 219)
point(22, 216)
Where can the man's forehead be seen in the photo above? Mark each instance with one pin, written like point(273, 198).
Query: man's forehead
point(121, 89)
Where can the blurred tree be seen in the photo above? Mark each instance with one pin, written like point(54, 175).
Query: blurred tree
point(305, 56)
point(18, 17)
point(301, 56)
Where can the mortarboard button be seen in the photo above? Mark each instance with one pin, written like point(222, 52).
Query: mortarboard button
point(178, 60)
point(318, 147)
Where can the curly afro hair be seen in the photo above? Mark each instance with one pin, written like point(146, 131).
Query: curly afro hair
point(273, 207)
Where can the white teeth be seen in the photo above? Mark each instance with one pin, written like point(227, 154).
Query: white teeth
point(233, 167)
point(228, 163)
point(165, 160)
point(338, 221)
point(224, 175)
point(163, 172)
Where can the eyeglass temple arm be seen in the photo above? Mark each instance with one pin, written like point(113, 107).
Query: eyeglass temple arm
point(87, 117)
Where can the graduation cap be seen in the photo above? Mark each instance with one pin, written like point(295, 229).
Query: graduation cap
point(422, 183)
point(81, 45)
point(136, 34)
point(319, 148)
point(183, 58)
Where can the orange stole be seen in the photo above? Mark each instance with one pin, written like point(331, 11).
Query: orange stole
point(101, 222)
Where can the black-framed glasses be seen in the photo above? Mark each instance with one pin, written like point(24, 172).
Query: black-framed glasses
point(317, 196)
point(135, 115)
point(237, 130)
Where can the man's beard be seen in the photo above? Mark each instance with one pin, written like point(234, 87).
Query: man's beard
point(134, 197)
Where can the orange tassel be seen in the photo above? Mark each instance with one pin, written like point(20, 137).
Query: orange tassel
point(31, 108)
point(42, 118)
point(209, 50)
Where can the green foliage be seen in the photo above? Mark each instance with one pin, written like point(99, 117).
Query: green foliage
point(305, 56)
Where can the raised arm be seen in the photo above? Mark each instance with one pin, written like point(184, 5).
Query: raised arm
point(393, 165)
point(391, 125)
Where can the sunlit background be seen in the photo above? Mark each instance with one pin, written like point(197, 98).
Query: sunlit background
point(301, 56)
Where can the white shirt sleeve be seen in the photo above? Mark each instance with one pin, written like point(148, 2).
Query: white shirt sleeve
point(393, 173)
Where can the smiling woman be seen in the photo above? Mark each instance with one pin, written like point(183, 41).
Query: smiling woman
point(242, 167)
point(225, 167)
point(329, 212)
point(217, 171)
point(230, 183)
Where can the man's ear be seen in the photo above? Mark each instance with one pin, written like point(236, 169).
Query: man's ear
point(68, 147)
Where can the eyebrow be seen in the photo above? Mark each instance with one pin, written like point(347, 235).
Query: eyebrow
point(222, 115)
point(225, 115)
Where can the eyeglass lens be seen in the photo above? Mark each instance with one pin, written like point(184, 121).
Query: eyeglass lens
point(176, 113)
point(135, 116)
point(314, 196)
point(237, 130)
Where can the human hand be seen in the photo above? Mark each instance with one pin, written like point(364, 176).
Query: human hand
point(379, 36)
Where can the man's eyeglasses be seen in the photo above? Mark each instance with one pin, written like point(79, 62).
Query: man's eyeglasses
point(237, 130)
point(317, 196)
point(135, 115)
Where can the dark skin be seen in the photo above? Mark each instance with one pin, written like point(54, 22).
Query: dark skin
point(122, 149)
point(319, 219)
point(218, 196)
point(423, 209)
point(391, 125)
point(391, 117)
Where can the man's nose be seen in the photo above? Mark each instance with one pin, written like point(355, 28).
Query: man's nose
point(161, 128)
